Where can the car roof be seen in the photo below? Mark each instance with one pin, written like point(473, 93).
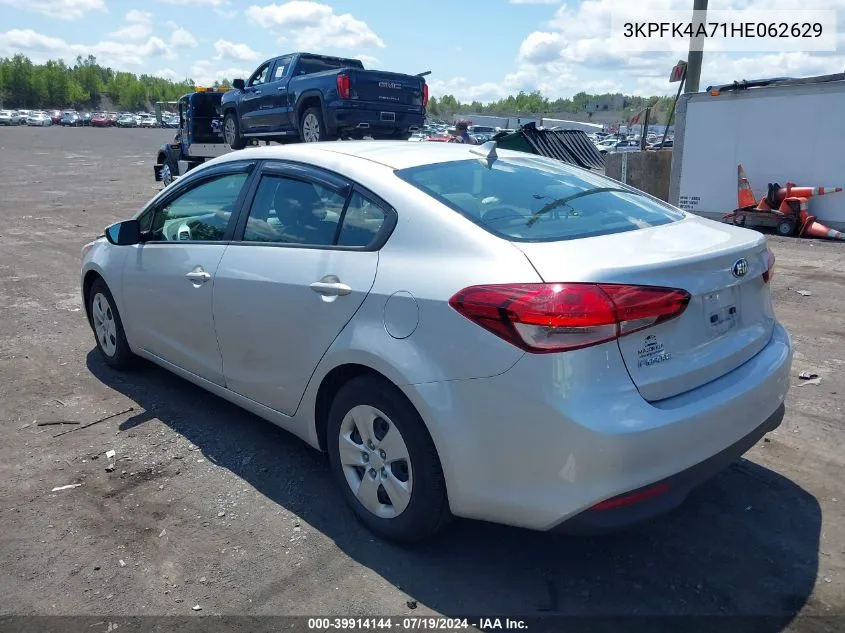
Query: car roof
point(392, 154)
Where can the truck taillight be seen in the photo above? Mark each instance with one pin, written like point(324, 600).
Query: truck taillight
point(548, 318)
point(343, 86)
point(425, 95)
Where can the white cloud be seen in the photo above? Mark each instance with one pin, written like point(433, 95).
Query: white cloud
point(368, 60)
point(61, 9)
point(225, 49)
point(139, 26)
point(166, 73)
point(314, 26)
point(206, 71)
point(40, 47)
point(180, 38)
point(574, 52)
point(534, 1)
point(226, 14)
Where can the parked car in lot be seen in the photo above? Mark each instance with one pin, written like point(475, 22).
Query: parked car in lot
point(85, 118)
point(6, 117)
point(467, 332)
point(313, 98)
point(100, 119)
point(21, 116)
point(126, 120)
point(71, 118)
point(39, 119)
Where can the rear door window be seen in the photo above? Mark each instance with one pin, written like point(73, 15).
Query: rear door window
point(538, 199)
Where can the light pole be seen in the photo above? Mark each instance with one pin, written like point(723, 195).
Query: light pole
point(695, 56)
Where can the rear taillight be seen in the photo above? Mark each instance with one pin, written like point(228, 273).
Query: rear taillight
point(546, 318)
point(770, 266)
point(343, 86)
point(425, 95)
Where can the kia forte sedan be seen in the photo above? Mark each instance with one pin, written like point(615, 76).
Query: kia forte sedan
point(464, 331)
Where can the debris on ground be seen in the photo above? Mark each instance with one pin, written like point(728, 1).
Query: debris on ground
point(68, 487)
point(103, 419)
point(162, 533)
point(412, 604)
point(56, 423)
point(813, 381)
point(804, 293)
point(122, 562)
point(221, 514)
point(807, 375)
point(196, 607)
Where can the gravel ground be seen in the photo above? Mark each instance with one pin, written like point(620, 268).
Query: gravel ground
point(208, 505)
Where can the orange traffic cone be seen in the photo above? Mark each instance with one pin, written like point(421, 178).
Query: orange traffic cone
point(817, 229)
point(744, 195)
point(806, 192)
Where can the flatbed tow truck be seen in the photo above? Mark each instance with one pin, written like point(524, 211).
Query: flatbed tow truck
point(198, 138)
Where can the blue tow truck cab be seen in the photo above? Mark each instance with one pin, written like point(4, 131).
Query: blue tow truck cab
point(310, 98)
point(198, 137)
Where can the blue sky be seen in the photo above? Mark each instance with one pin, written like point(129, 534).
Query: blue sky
point(476, 49)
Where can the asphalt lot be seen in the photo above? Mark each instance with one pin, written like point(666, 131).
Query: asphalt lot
point(211, 506)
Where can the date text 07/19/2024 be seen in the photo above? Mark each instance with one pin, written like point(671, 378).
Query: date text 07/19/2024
point(431, 623)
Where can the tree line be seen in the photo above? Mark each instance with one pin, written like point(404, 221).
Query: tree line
point(55, 84)
point(534, 103)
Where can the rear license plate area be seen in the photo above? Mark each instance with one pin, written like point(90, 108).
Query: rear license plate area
point(389, 117)
point(721, 311)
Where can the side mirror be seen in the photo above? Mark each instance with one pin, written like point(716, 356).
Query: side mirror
point(238, 84)
point(124, 233)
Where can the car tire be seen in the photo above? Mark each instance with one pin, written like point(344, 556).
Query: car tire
point(411, 517)
point(108, 327)
point(232, 131)
point(786, 228)
point(312, 129)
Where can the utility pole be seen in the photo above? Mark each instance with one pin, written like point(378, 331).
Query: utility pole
point(695, 56)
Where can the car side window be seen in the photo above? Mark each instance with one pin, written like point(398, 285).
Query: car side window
point(362, 222)
point(202, 213)
point(292, 211)
point(281, 67)
point(260, 76)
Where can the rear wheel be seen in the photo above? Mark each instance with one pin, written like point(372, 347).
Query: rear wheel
point(385, 462)
point(232, 131)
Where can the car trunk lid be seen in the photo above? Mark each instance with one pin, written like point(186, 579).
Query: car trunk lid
point(729, 317)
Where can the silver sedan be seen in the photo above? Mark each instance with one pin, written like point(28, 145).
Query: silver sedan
point(464, 331)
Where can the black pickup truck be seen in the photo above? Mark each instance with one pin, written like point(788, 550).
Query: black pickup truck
point(310, 98)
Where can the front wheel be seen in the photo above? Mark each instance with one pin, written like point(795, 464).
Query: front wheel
point(385, 462)
point(232, 132)
point(312, 129)
point(108, 328)
point(786, 227)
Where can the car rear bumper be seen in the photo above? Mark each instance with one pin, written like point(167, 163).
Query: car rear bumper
point(663, 496)
point(557, 434)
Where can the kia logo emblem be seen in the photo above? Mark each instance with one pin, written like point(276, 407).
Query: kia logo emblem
point(740, 268)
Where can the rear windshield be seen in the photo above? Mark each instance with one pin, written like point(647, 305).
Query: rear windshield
point(534, 199)
point(308, 65)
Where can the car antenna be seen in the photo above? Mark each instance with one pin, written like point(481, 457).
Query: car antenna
point(487, 150)
point(425, 74)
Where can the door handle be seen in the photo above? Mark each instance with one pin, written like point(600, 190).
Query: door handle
point(331, 288)
point(281, 88)
point(198, 276)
